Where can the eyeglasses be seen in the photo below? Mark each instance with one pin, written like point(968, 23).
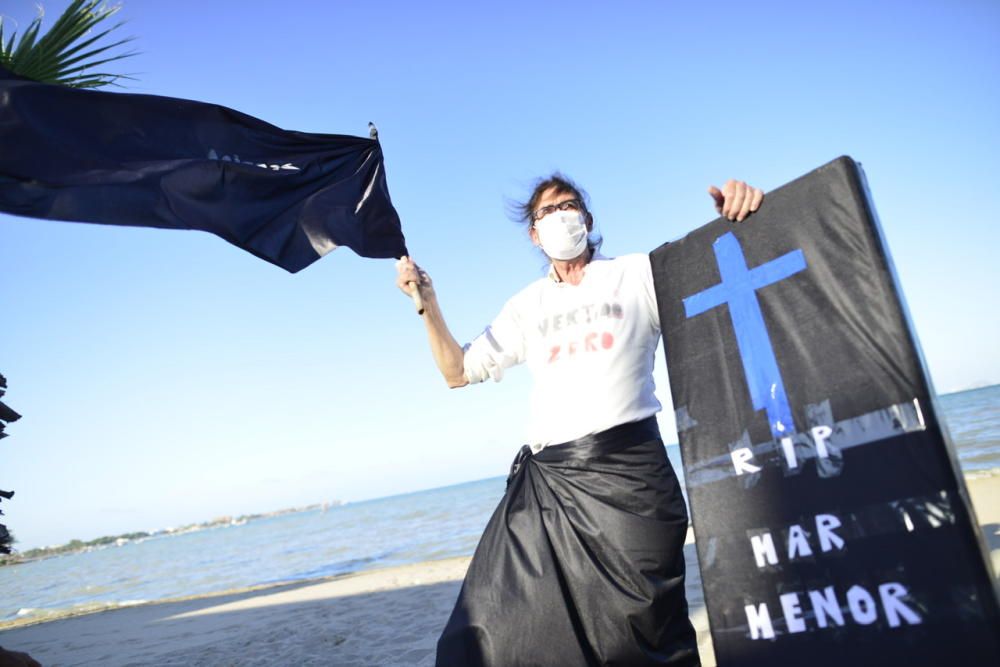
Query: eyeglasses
point(568, 205)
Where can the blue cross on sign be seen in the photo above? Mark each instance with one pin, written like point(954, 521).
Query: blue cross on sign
point(739, 289)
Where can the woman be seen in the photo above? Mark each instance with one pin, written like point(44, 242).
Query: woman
point(582, 562)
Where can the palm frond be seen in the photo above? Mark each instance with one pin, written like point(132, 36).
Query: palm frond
point(68, 51)
point(10, 44)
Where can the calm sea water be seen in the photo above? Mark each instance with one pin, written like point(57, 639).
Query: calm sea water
point(410, 528)
point(973, 417)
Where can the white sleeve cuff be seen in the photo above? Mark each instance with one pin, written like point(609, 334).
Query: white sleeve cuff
point(483, 358)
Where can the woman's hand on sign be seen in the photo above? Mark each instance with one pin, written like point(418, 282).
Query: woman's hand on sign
point(736, 200)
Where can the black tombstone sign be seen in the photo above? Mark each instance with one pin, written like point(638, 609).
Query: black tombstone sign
point(833, 526)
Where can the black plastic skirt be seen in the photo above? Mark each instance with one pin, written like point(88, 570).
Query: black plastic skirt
point(582, 562)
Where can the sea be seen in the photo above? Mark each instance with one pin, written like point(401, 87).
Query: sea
point(397, 530)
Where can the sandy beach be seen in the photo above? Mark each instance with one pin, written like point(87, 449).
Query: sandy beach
point(381, 617)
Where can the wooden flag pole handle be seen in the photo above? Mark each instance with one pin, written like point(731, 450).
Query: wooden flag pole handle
point(417, 301)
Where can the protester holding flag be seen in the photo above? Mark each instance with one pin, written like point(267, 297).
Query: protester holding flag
point(582, 562)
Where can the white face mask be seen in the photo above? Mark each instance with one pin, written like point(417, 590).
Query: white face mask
point(563, 234)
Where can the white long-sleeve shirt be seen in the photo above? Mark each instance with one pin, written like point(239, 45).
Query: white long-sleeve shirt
point(590, 348)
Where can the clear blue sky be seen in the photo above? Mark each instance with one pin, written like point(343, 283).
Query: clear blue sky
point(166, 377)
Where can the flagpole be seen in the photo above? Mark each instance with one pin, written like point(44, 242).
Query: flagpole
point(418, 301)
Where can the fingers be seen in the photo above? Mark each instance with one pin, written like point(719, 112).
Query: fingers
point(745, 208)
point(734, 192)
point(753, 198)
point(409, 275)
point(758, 197)
point(738, 200)
point(406, 273)
point(716, 195)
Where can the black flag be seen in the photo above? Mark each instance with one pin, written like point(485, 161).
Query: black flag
point(150, 161)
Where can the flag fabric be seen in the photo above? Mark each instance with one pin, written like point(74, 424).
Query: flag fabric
point(150, 161)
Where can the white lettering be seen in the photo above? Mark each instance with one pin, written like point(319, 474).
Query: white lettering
point(288, 166)
point(825, 523)
point(763, 550)
point(825, 605)
point(759, 621)
point(862, 605)
point(827, 610)
point(798, 545)
point(741, 458)
point(797, 540)
point(894, 606)
point(789, 447)
point(793, 613)
point(820, 435)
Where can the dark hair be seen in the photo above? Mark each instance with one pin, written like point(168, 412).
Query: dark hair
point(522, 211)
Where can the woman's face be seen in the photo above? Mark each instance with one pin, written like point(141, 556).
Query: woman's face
point(553, 197)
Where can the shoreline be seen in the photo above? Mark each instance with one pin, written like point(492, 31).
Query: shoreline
point(36, 554)
point(390, 615)
point(256, 589)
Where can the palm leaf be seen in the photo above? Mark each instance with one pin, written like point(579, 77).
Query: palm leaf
point(10, 44)
point(56, 69)
point(68, 52)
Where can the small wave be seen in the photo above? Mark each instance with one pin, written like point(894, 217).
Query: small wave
point(984, 473)
point(30, 615)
